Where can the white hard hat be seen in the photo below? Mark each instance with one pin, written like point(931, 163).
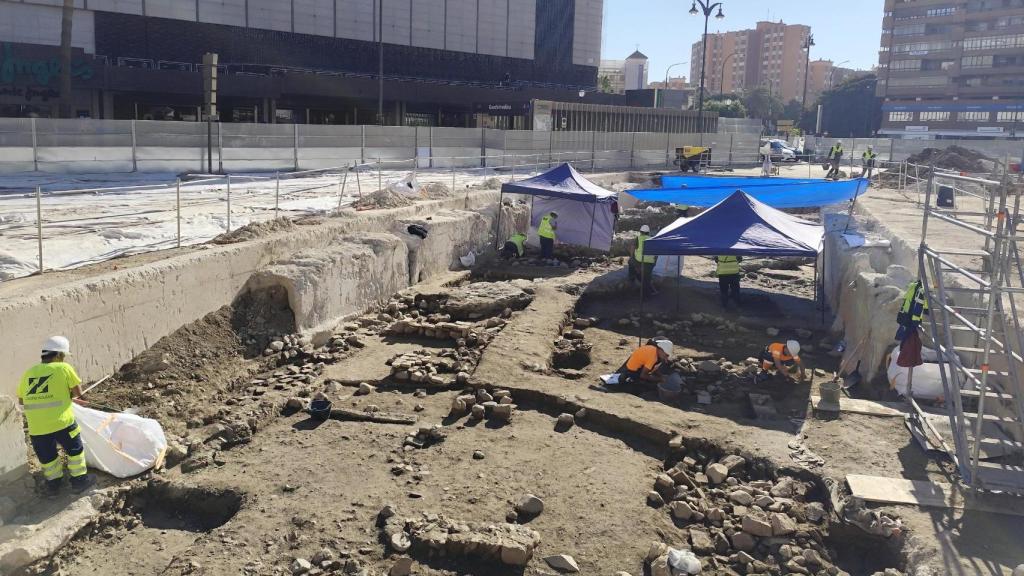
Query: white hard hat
point(57, 344)
point(665, 345)
point(645, 229)
point(794, 347)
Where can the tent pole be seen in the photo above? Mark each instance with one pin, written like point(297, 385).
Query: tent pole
point(593, 217)
point(852, 206)
point(497, 231)
point(679, 274)
point(824, 269)
point(641, 335)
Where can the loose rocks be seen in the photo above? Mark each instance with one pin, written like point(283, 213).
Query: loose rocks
point(530, 505)
point(563, 563)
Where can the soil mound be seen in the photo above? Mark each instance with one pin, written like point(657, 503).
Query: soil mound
point(255, 230)
point(951, 158)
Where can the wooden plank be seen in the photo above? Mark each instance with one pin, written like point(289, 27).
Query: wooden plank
point(927, 494)
point(867, 407)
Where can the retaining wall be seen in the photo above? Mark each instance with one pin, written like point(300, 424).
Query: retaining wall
point(335, 268)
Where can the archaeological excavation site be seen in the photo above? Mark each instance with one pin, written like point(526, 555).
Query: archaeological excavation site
point(399, 388)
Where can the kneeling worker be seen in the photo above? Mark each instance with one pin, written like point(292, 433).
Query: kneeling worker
point(515, 246)
point(782, 357)
point(46, 390)
point(645, 363)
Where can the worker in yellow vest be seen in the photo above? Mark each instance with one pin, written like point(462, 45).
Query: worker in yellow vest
point(515, 246)
point(546, 232)
point(641, 266)
point(46, 391)
point(728, 273)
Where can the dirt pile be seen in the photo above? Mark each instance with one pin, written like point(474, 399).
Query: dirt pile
point(382, 199)
point(435, 190)
point(951, 158)
point(255, 230)
point(175, 379)
point(474, 301)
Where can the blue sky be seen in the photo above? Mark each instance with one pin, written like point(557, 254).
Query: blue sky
point(665, 30)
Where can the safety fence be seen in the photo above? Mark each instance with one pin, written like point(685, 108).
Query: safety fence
point(95, 146)
point(898, 150)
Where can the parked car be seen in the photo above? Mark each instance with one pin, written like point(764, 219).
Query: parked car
point(779, 151)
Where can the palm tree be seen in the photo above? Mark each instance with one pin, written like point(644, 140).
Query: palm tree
point(67, 15)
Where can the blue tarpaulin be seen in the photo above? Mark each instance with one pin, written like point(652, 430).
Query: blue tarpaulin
point(775, 192)
point(739, 226)
point(561, 182)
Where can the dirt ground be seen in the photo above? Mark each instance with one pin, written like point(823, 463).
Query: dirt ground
point(261, 488)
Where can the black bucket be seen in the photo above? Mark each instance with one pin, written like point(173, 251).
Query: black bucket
point(320, 409)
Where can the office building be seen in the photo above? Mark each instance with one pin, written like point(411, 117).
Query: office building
point(674, 83)
point(769, 56)
point(446, 62)
point(618, 76)
point(635, 71)
point(952, 69)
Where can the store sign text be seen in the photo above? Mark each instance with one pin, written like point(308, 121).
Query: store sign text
point(40, 71)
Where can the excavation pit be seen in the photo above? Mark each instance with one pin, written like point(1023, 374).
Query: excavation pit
point(168, 506)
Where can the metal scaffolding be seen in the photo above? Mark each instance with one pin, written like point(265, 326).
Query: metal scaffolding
point(974, 325)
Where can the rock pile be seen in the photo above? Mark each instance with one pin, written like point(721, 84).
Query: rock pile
point(425, 437)
point(480, 404)
point(736, 523)
point(440, 369)
point(472, 301)
point(433, 535)
point(571, 351)
point(440, 326)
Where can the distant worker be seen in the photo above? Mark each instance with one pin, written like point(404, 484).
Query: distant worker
point(781, 357)
point(766, 166)
point(515, 246)
point(835, 156)
point(913, 310)
point(47, 391)
point(728, 273)
point(546, 231)
point(641, 266)
point(647, 363)
point(868, 162)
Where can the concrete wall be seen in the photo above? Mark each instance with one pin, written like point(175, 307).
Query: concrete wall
point(113, 316)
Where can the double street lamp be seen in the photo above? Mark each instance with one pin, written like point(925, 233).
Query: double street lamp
point(807, 66)
point(707, 8)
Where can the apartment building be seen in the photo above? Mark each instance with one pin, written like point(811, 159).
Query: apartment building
point(952, 68)
point(771, 56)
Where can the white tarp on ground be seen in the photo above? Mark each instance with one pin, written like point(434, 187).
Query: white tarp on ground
point(579, 223)
point(120, 444)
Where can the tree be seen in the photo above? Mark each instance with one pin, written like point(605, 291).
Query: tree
point(605, 83)
point(726, 108)
point(792, 111)
point(762, 104)
point(66, 18)
point(849, 109)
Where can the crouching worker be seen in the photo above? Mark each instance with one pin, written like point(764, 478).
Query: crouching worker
point(515, 246)
point(781, 357)
point(647, 364)
point(46, 391)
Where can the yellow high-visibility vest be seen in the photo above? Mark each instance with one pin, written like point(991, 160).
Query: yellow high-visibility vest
point(639, 252)
point(544, 230)
point(518, 240)
point(45, 389)
point(728, 265)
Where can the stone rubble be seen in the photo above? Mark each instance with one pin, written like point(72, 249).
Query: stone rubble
point(433, 535)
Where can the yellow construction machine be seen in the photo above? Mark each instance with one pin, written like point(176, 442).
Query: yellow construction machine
point(695, 158)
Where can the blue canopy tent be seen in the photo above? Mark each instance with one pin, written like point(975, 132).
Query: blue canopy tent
point(584, 208)
point(775, 192)
point(740, 225)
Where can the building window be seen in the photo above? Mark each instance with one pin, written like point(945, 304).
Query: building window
point(925, 47)
point(1015, 116)
point(994, 42)
point(906, 65)
point(933, 116)
point(976, 62)
point(920, 81)
point(901, 116)
point(909, 30)
point(972, 116)
point(944, 11)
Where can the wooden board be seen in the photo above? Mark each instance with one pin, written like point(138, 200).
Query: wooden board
point(926, 493)
point(868, 407)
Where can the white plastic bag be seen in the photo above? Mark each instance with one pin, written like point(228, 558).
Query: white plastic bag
point(683, 562)
point(927, 377)
point(120, 444)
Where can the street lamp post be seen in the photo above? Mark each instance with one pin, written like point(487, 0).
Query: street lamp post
point(667, 70)
point(380, 69)
point(721, 81)
point(706, 8)
point(833, 71)
point(807, 66)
